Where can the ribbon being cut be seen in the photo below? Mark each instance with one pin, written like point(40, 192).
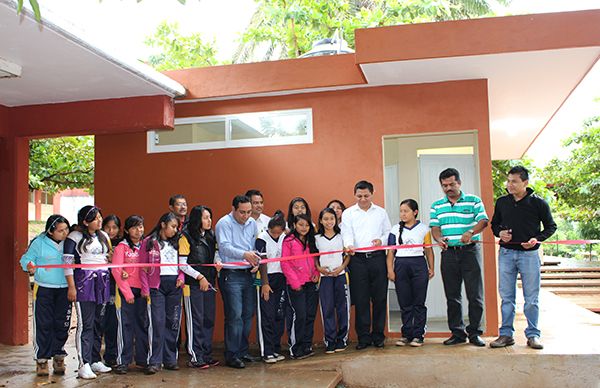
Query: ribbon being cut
point(288, 258)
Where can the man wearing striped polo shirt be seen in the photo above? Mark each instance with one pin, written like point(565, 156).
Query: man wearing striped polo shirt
point(456, 221)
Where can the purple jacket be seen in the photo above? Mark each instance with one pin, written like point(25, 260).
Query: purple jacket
point(150, 276)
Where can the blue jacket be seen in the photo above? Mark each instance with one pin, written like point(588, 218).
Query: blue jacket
point(44, 250)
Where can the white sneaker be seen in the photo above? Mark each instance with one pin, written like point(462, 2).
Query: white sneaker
point(402, 341)
point(279, 357)
point(85, 372)
point(99, 367)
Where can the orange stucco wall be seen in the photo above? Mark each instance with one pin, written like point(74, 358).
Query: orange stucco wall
point(348, 127)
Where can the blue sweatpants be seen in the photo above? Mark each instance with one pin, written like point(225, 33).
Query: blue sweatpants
point(271, 317)
point(200, 322)
point(303, 304)
point(165, 312)
point(132, 329)
point(335, 303)
point(51, 320)
point(412, 279)
point(110, 328)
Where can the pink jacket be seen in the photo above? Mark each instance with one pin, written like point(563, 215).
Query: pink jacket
point(298, 271)
point(150, 276)
point(124, 254)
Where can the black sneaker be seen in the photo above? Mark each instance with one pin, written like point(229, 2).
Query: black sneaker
point(120, 369)
point(270, 359)
point(196, 364)
point(340, 347)
point(212, 362)
point(171, 367)
point(330, 349)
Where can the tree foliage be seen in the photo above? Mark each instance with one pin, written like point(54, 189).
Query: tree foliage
point(576, 180)
point(61, 163)
point(287, 28)
point(178, 51)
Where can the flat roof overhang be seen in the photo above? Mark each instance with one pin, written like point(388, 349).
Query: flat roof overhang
point(58, 65)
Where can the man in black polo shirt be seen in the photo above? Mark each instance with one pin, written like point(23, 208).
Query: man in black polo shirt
point(516, 221)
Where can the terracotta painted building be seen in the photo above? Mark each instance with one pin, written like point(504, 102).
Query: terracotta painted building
point(411, 101)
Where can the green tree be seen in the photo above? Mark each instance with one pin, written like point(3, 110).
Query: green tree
point(61, 163)
point(287, 28)
point(576, 180)
point(179, 51)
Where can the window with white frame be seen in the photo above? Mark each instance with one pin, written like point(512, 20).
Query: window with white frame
point(233, 131)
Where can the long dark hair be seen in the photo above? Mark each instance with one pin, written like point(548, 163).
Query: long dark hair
point(310, 236)
point(117, 221)
point(194, 224)
point(290, 217)
point(154, 235)
point(414, 206)
point(131, 222)
point(88, 214)
point(321, 228)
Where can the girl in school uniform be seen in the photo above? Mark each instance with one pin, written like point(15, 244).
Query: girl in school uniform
point(333, 289)
point(162, 285)
point(197, 246)
point(302, 285)
point(88, 287)
point(131, 307)
point(410, 269)
point(271, 318)
point(51, 307)
point(111, 224)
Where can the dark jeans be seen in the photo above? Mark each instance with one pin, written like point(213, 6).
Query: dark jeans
point(51, 320)
point(303, 304)
point(239, 303)
point(412, 278)
point(369, 285)
point(460, 265)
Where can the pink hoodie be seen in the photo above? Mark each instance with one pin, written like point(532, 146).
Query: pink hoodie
point(150, 276)
point(124, 254)
point(298, 271)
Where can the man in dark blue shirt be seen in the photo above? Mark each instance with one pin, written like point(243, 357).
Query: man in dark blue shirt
point(516, 221)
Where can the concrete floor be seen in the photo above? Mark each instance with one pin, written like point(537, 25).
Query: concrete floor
point(571, 358)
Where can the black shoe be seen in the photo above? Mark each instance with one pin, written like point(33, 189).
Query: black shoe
point(454, 340)
point(379, 344)
point(196, 364)
point(476, 340)
point(362, 345)
point(171, 367)
point(330, 349)
point(502, 341)
point(249, 358)
point(151, 369)
point(235, 363)
point(212, 362)
point(120, 369)
point(308, 353)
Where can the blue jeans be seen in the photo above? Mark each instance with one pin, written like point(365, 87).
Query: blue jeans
point(239, 303)
point(527, 263)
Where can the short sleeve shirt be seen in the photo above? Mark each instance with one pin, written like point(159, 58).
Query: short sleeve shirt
point(454, 220)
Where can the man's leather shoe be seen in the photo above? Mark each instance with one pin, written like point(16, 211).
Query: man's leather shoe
point(235, 363)
point(502, 341)
point(362, 345)
point(454, 340)
point(535, 343)
point(379, 344)
point(249, 358)
point(476, 340)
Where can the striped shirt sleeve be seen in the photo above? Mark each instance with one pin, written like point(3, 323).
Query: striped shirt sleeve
point(479, 211)
point(433, 217)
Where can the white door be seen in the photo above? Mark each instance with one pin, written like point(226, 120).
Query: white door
point(430, 167)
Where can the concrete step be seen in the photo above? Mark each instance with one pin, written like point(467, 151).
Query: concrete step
point(571, 283)
point(571, 275)
point(574, 290)
point(573, 269)
point(588, 301)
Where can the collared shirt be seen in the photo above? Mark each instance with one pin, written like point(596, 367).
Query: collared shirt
point(234, 239)
point(454, 220)
point(361, 227)
point(262, 223)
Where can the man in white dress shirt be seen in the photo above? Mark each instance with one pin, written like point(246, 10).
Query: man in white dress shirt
point(367, 225)
point(258, 205)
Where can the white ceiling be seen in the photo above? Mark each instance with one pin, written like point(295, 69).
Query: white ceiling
point(524, 89)
point(57, 66)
